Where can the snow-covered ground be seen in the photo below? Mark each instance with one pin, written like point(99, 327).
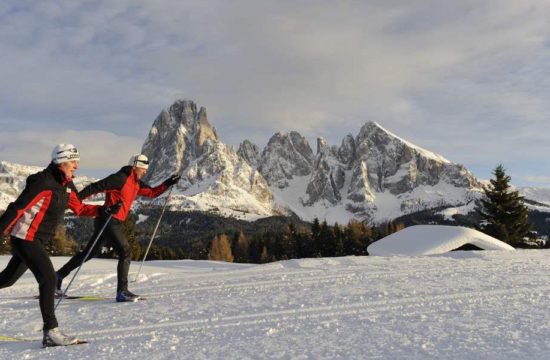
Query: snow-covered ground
point(462, 305)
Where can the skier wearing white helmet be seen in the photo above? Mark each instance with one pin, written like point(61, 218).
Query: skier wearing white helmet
point(32, 220)
point(121, 188)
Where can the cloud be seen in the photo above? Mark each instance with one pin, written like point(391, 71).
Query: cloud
point(100, 151)
point(469, 80)
point(543, 180)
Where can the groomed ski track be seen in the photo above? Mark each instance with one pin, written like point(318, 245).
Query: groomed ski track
point(463, 305)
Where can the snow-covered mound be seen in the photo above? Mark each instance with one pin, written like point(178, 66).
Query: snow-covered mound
point(433, 239)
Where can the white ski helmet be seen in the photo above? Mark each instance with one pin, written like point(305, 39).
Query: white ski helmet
point(139, 160)
point(65, 152)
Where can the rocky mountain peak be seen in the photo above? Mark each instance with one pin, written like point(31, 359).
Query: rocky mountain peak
point(322, 145)
point(178, 136)
point(249, 152)
point(285, 156)
point(346, 151)
point(213, 175)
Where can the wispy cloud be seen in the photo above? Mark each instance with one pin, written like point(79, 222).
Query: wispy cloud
point(101, 152)
point(469, 79)
point(543, 180)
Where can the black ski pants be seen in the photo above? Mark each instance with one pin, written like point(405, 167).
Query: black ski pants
point(113, 235)
point(32, 255)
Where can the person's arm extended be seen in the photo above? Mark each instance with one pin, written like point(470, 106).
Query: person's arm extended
point(147, 191)
point(78, 207)
point(112, 182)
point(151, 192)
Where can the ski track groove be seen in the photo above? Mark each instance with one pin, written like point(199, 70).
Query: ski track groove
point(283, 280)
point(287, 281)
point(318, 312)
point(299, 276)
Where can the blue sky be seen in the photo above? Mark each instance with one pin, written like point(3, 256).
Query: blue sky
point(469, 80)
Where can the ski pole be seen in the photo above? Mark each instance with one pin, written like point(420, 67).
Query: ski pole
point(85, 258)
point(154, 233)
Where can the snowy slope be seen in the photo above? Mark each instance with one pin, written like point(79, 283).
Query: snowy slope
point(464, 305)
point(433, 239)
point(541, 197)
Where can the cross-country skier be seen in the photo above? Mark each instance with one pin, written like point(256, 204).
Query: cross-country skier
point(32, 219)
point(121, 187)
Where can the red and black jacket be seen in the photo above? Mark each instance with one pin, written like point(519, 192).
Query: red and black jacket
point(39, 209)
point(122, 186)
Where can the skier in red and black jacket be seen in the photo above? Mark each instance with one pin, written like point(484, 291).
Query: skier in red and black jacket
point(121, 188)
point(32, 220)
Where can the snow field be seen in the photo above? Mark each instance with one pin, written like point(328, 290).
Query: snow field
point(462, 305)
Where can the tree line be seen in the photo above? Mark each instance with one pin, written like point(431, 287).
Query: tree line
point(294, 242)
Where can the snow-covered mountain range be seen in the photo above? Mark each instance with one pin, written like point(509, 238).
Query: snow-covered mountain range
point(374, 175)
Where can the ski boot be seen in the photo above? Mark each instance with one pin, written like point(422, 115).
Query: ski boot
point(126, 295)
point(54, 337)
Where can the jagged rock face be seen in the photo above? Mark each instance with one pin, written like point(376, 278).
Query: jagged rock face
point(346, 152)
point(183, 141)
point(329, 174)
point(286, 156)
point(229, 169)
point(360, 190)
point(179, 135)
point(249, 152)
point(395, 165)
point(377, 162)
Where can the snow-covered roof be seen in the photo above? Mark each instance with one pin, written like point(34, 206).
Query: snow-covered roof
point(433, 239)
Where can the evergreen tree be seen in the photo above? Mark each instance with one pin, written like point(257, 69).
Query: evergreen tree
point(155, 253)
point(290, 250)
point(304, 245)
point(264, 257)
point(199, 250)
point(254, 252)
point(168, 254)
point(338, 240)
point(327, 242)
point(242, 248)
point(315, 239)
point(274, 241)
point(180, 254)
point(503, 211)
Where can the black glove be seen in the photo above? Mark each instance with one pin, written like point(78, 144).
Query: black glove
point(113, 209)
point(172, 180)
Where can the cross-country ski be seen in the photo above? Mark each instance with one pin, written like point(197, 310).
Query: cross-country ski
point(94, 298)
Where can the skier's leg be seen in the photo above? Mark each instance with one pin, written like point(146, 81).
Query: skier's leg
point(122, 247)
point(13, 271)
point(35, 257)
